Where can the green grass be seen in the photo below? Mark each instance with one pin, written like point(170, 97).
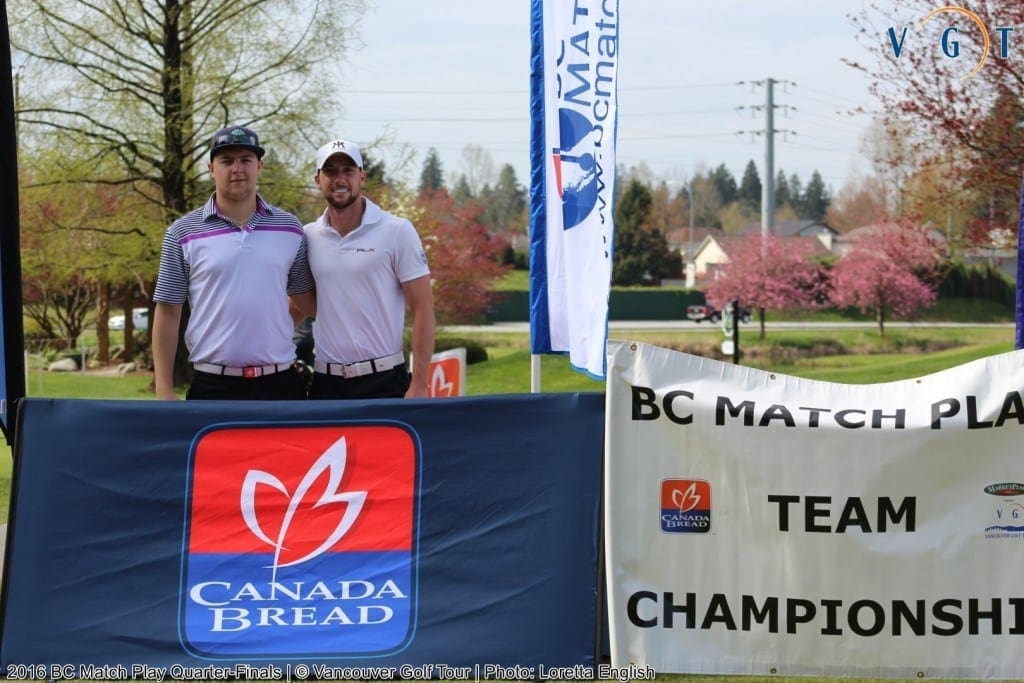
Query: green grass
point(40, 383)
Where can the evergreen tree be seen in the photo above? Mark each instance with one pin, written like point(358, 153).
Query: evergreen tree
point(816, 198)
point(782, 193)
point(796, 194)
point(432, 177)
point(725, 183)
point(750, 187)
point(462, 193)
point(505, 203)
point(642, 255)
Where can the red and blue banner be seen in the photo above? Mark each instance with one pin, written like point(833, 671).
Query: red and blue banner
point(376, 534)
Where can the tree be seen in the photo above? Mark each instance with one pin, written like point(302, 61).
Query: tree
point(147, 85)
point(782, 194)
point(815, 198)
point(749, 193)
point(641, 255)
point(893, 274)
point(505, 203)
point(432, 176)
point(461, 193)
point(725, 183)
point(463, 258)
point(138, 88)
point(74, 250)
point(796, 193)
point(478, 168)
point(768, 273)
point(707, 201)
point(859, 202)
point(949, 106)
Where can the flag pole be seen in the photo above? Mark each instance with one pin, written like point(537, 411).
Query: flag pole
point(1019, 308)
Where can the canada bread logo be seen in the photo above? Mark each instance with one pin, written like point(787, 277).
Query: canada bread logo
point(447, 373)
point(301, 541)
point(685, 506)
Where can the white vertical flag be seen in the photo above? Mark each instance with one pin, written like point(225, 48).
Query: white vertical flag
point(573, 107)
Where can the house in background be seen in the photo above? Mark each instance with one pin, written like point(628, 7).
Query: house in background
point(801, 228)
point(714, 249)
point(686, 242)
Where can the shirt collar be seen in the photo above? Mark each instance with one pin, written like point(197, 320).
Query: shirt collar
point(210, 207)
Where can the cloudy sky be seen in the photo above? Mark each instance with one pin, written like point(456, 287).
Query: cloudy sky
point(449, 73)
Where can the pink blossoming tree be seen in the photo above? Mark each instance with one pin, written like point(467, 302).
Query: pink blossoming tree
point(769, 273)
point(893, 273)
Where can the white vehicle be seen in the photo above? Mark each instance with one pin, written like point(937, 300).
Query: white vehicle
point(140, 320)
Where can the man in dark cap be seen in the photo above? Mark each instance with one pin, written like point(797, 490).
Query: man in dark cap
point(235, 260)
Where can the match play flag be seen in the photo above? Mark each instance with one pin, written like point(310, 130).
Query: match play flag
point(574, 111)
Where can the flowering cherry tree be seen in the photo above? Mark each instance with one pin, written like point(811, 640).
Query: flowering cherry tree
point(769, 273)
point(892, 273)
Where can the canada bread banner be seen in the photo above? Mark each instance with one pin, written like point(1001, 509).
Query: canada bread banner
point(763, 524)
point(357, 540)
point(573, 113)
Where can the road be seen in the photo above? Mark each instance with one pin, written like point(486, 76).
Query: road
point(690, 326)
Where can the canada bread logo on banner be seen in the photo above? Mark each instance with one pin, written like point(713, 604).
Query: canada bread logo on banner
point(685, 506)
point(447, 374)
point(301, 541)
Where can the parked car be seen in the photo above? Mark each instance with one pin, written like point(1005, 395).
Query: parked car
point(140, 320)
point(700, 312)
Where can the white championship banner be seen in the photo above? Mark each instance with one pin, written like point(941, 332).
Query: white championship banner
point(763, 524)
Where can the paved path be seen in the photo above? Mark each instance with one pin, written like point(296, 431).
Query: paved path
point(690, 326)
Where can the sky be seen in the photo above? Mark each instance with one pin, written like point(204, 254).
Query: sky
point(450, 73)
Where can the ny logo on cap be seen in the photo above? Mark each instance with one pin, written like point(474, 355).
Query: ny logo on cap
point(237, 137)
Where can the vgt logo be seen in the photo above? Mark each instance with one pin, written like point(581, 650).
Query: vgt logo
point(301, 541)
point(685, 506)
point(949, 42)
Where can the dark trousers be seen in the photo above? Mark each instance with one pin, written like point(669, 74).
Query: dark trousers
point(286, 385)
point(391, 383)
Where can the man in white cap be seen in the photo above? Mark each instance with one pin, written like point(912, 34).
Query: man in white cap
point(369, 266)
point(235, 260)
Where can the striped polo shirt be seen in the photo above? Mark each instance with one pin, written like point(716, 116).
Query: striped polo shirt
point(236, 281)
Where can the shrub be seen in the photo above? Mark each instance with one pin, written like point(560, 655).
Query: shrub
point(475, 353)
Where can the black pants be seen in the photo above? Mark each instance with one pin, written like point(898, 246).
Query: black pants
point(286, 385)
point(391, 383)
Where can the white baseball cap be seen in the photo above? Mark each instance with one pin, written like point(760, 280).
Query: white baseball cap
point(349, 149)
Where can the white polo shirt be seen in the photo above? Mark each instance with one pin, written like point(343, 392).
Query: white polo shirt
point(360, 308)
point(237, 282)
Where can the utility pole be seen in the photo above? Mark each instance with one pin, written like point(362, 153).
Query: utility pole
point(691, 263)
point(768, 184)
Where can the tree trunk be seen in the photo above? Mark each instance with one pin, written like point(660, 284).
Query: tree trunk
point(881, 321)
point(760, 317)
point(102, 324)
point(129, 326)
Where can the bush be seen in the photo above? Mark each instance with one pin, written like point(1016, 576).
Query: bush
point(475, 353)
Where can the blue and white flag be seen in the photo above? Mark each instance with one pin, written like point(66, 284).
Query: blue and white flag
point(574, 110)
